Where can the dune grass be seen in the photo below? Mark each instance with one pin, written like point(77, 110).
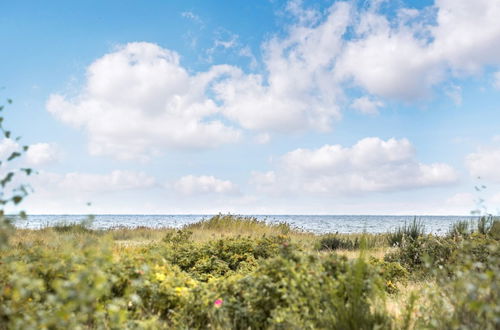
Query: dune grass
point(398, 286)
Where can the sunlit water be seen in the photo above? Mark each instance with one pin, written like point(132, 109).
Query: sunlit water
point(311, 223)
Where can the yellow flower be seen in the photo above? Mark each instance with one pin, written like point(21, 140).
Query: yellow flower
point(160, 277)
point(180, 291)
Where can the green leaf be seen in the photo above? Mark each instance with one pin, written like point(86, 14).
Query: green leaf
point(15, 154)
point(7, 179)
point(7, 134)
point(17, 199)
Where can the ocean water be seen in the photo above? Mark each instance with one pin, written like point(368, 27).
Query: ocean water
point(312, 223)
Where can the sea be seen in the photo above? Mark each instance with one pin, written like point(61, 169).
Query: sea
point(318, 224)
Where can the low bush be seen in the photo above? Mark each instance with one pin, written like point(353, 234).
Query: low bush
point(336, 242)
point(433, 251)
point(218, 257)
point(409, 232)
point(294, 291)
point(265, 282)
point(243, 224)
point(391, 273)
point(467, 295)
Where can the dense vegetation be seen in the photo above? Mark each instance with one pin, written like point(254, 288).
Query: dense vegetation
point(235, 272)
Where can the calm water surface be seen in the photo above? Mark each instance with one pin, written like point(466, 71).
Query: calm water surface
point(313, 223)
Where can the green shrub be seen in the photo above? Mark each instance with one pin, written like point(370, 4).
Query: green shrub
point(441, 252)
point(222, 222)
point(413, 254)
point(460, 229)
point(495, 229)
point(218, 257)
point(469, 299)
point(410, 232)
point(76, 228)
point(391, 273)
point(337, 242)
point(293, 291)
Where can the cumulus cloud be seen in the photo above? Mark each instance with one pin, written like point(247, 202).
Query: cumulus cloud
point(370, 165)
point(139, 100)
point(406, 56)
point(7, 147)
point(401, 57)
point(204, 184)
point(496, 80)
point(367, 105)
point(42, 153)
point(495, 200)
point(296, 91)
point(466, 200)
point(192, 16)
point(77, 182)
point(38, 154)
point(263, 138)
point(485, 163)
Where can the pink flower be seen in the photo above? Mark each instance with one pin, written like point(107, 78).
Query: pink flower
point(218, 303)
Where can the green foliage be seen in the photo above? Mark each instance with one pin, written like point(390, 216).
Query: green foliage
point(245, 224)
point(336, 242)
point(391, 273)
point(10, 194)
point(84, 285)
point(409, 232)
point(295, 291)
point(82, 228)
point(469, 297)
point(84, 279)
point(217, 257)
point(332, 242)
point(441, 252)
point(460, 228)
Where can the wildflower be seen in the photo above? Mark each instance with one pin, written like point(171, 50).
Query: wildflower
point(180, 291)
point(218, 303)
point(160, 277)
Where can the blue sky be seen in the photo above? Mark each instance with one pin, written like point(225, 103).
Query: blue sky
point(268, 107)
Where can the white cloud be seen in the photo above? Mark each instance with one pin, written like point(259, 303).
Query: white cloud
point(367, 105)
point(455, 94)
point(42, 153)
point(77, 182)
point(465, 200)
point(7, 147)
point(404, 58)
point(370, 165)
point(139, 100)
point(247, 52)
point(204, 184)
point(192, 16)
point(496, 80)
point(485, 163)
point(296, 91)
point(495, 200)
point(263, 138)
point(38, 154)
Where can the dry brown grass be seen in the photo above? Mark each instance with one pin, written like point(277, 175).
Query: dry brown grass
point(217, 227)
point(378, 252)
point(125, 240)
